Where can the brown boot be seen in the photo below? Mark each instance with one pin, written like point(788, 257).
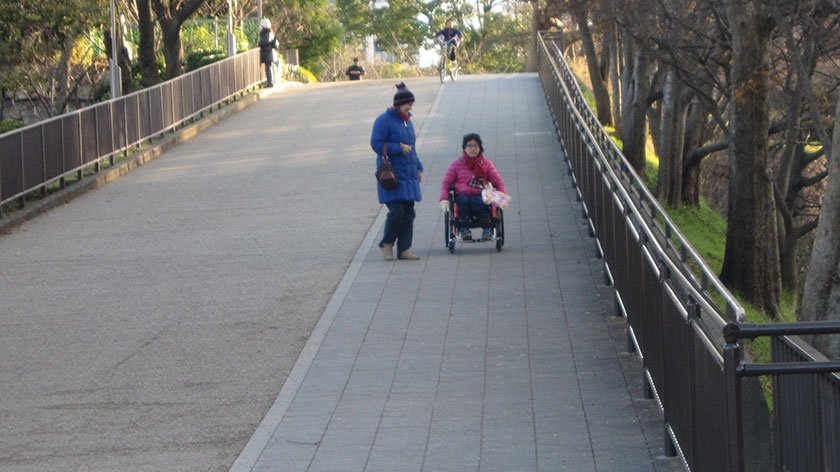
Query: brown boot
point(387, 251)
point(408, 255)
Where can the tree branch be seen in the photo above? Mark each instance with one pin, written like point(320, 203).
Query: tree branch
point(809, 181)
point(806, 228)
point(783, 210)
point(701, 152)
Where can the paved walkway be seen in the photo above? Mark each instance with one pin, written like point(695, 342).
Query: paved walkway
point(477, 361)
point(149, 324)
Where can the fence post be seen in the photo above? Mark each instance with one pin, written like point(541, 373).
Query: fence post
point(22, 163)
point(732, 382)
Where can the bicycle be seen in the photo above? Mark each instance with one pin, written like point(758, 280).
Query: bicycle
point(447, 66)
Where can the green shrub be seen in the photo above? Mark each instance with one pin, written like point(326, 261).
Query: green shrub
point(198, 59)
point(299, 74)
point(201, 34)
point(9, 125)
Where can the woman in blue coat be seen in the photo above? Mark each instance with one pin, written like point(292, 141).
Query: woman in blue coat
point(394, 131)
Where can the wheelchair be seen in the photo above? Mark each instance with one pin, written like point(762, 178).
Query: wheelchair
point(452, 223)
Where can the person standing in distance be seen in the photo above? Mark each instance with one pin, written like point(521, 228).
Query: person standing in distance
point(355, 72)
point(393, 132)
point(268, 45)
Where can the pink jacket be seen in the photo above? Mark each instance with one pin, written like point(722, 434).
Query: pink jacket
point(460, 175)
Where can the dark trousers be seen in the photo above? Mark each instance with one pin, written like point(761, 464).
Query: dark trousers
point(471, 207)
point(269, 73)
point(399, 225)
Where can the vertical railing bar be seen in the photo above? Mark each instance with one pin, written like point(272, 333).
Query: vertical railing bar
point(22, 199)
point(43, 161)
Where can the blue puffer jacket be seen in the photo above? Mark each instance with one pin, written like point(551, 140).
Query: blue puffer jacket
point(390, 129)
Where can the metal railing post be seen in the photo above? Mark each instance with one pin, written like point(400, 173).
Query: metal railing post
point(732, 382)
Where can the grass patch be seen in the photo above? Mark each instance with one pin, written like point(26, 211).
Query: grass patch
point(651, 175)
point(705, 230)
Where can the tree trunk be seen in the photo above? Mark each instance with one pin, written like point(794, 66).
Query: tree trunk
point(122, 60)
point(791, 173)
point(599, 86)
point(615, 83)
point(62, 77)
point(170, 18)
point(533, 64)
point(787, 260)
point(695, 138)
point(149, 73)
point(172, 48)
point(751, 260)
point(697, 132)
point(124, 63)
point(636, 86)
point(669, 189)
point(821, 297)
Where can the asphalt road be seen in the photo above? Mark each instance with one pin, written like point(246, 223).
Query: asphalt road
point(149, 324)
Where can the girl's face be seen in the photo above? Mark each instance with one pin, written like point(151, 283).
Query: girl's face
point(406, 107)
point(472, 149)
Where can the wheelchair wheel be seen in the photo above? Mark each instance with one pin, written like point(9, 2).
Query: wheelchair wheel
point(447, 231)
point(448, 236)
point(500, 231)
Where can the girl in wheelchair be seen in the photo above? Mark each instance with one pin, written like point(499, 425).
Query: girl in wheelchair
point(468, 175)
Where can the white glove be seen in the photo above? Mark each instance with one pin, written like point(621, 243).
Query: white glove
point(444, 205)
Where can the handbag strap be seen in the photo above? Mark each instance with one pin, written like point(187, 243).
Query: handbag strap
point(385, 157)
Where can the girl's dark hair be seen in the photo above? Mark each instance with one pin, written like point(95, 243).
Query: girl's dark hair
point(472, 137)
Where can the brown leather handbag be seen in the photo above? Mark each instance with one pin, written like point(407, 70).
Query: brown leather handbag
point(385, 173)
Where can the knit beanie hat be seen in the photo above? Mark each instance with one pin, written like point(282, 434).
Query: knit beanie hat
point(403, 95)
point(472, 137)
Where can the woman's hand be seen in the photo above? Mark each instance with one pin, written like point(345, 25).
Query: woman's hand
point(420, 176)
point(406, 148)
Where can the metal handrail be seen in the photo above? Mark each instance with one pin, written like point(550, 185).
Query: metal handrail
point(701, 370)
point(735, 311)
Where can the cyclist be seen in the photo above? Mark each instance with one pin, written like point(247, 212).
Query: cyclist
point(451, 36)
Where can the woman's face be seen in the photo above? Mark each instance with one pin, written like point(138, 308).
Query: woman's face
point(472, 149)
point(406, 107)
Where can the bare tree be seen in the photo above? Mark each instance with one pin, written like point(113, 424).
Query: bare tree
point(635, 87)
point(821, 297)
point(614, 62)
point(692, 58)
point(596, 73)
point(750, 78)
point(803, 47)
point(674, 115)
